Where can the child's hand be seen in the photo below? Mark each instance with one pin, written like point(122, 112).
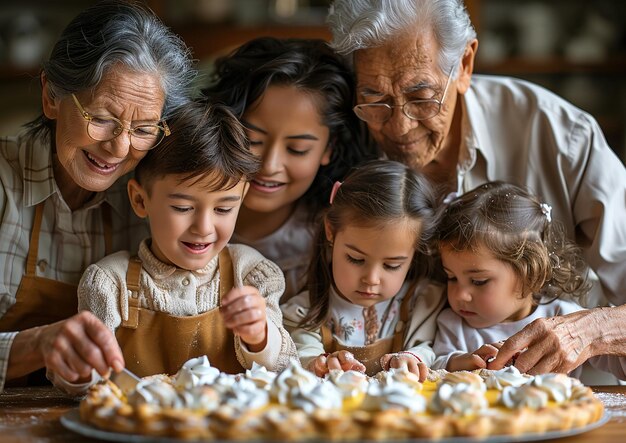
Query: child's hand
point(343, 360)
point(243, 311)
point(407, 360)
point(474, 360)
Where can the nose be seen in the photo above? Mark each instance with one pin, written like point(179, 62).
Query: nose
point(272, 160)
point(399, 124)
point(203, 223)
point(371, 277)
point(458, 293)
point(119, 146)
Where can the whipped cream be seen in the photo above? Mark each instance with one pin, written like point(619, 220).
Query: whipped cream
point(349, 383)
point(508, 376)
point(525, 396)
point(196, 372)
point(294, 377)
point(557, 386)
point(465, 378)
point(322, 396)
point(261, 377)
point(393, 395)
point(460, 398)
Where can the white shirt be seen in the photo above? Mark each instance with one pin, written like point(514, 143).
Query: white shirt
point(519, 132)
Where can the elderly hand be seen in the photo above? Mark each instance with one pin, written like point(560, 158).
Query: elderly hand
point(556, 344)
point(406, 360)
point(342, 360)
point(243, 311)
point(71, 348)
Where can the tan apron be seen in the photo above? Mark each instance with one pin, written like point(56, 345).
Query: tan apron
point(370, 354)
point(42, 301)
point(159, 343)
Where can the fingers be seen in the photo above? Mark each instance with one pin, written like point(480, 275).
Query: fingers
point(244, 311)
point(74, 346)
point(516, 343)
point(345, 361)
point(487, 352)
point(319, 366)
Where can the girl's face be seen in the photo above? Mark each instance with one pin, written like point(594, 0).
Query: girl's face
point(285, 129)
point(483, 290)
point(189, 225)
point(370, 264)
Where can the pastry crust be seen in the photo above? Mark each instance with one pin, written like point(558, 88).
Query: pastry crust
point(297, 406)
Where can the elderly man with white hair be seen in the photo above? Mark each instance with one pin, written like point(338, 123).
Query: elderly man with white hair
point(414, 62)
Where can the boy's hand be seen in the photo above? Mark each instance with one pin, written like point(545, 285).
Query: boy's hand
point(243, 311)
point(343, 360)
point(407, 360)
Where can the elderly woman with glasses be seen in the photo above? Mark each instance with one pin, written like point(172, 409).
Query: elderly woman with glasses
point(112, 79)
point(413, 61)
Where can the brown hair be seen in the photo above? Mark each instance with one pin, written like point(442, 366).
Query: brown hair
point(377, 193)
point(207, 141)
point(517, 229)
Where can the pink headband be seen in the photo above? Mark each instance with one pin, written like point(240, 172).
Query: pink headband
point(336, 187)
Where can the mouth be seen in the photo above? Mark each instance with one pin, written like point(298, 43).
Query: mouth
point(100, 165)
point(267, 186)
point(364, 294)
point(197, 248)
point(464, 313)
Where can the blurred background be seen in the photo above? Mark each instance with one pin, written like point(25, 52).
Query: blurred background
point(576, 48)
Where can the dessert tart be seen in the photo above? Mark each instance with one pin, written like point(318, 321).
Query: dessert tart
point(199, 402)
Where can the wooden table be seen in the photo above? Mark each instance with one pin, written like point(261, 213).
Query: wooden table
point(32, 415)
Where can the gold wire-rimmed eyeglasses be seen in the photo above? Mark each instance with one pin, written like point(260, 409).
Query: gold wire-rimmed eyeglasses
point(421, 109)
point(142, 137)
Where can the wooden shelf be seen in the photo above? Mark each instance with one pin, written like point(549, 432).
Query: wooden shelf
point(553, 65)
point(207, 41)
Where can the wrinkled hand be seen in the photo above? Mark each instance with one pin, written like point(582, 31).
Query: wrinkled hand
point(73, 347)
point(474, 360)
point(243, 311)
point(405, 360)
point(343, 360)
point(556, 344)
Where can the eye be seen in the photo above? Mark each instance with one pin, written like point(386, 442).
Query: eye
point(480, 282)
point(298, 152)
point(353, 260)
point(392, 267)
point(255, 143)
point(451, 278)
point(182, 208)
point(223, 210)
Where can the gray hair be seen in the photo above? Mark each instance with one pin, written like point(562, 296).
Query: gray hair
point(115, 32)
point(363, 24)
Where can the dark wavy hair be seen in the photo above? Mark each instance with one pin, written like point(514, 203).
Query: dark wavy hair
point(376, 194)
point(514, 226)
point(206, 141)
point(309, 65)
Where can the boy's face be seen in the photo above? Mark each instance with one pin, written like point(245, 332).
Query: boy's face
point(190, 224)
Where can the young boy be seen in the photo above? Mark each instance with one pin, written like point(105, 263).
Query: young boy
point(188, 293)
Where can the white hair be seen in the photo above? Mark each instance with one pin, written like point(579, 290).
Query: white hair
point(363, 24)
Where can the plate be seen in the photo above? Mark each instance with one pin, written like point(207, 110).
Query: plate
point(71, 420)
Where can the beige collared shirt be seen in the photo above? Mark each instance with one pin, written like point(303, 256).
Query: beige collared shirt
point(69, 240)
point(518, 132)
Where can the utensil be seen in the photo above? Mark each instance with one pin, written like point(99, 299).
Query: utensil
point(125, 380)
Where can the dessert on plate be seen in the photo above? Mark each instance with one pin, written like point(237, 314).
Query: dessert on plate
point(200, 402)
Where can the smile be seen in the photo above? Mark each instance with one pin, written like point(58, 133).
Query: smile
point(98, 163)
point(266, 186)
point(197, 248)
